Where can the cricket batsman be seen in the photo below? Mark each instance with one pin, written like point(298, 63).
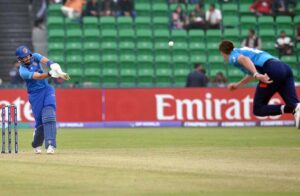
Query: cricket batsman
point(41, 96)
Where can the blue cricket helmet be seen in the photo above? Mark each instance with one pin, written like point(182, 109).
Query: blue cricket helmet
point(23, 51)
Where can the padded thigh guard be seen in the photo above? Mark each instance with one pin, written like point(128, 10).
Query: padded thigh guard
point(49, 123)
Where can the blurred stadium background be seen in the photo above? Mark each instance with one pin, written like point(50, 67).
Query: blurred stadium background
point(124, 74)
point(133, 52)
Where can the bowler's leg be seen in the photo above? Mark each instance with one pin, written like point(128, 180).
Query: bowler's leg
point(278, 72)
point(289, 95)
point(288, 92)
point(262, 96)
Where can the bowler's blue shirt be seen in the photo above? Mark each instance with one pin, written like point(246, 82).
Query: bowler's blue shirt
point(257, 57)
point(26, 72)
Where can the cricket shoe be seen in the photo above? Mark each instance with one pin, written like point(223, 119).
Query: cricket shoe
point(37, 150)
point(297, 116)
point(50, 149)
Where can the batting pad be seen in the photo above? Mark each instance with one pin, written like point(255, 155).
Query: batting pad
point(49, 123)
point(38, 137)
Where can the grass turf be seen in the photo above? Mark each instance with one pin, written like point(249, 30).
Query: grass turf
point(196, 161)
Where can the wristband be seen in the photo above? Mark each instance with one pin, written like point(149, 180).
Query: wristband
point(49, 62)
point(255, 74)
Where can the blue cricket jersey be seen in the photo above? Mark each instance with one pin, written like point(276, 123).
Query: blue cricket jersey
point(257, 57)
point(26, 72)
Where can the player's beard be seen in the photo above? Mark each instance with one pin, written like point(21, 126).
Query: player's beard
point(27, 61)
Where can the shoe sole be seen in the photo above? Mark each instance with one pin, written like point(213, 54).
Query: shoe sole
point(50, 152)
point(37, 151)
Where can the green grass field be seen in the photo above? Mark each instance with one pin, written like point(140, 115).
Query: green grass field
point(174, 161)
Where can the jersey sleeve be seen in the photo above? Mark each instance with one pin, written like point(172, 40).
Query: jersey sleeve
point(37, 57)
point(25, 73)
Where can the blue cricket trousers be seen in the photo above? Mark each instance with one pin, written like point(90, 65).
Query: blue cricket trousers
point(40, 99)
point(283, 83)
